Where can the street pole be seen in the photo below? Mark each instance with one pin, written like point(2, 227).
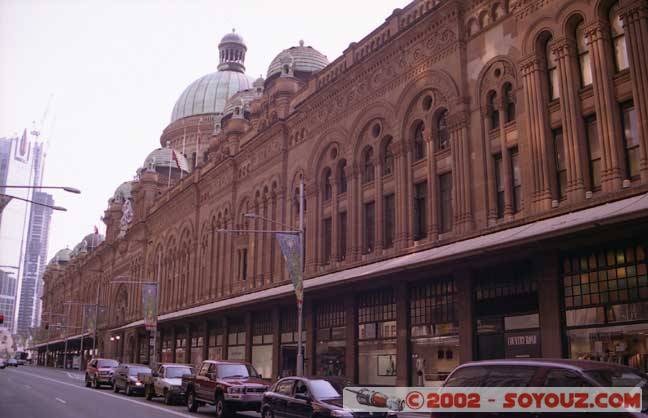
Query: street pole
point(48, 338)
point(157, 306)
point(300, 353)
point(66, 340)
point(96, 322)
point(82, 336)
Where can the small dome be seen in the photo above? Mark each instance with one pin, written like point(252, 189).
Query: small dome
point(162, 158)
point(232, 37)
point(123, 192)
point(61, 256)
point(240, 100)
point(304, 59)
point(92, 241)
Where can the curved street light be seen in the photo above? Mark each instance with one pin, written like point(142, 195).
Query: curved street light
point(66, 188)
point(61, 208)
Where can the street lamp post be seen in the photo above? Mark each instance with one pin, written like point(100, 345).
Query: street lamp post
point(48, 334)
point(300, 233)
point(66, 188)
point(61, 208)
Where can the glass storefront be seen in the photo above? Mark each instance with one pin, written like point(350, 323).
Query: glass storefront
point(197, 343)
point(377, 338)
point(289, 338)
point(144, 347)
point(215, 349)
point(506, 311)
point(167, 354)
point(236, 341)
point(434, 335)
point(330, 334)
point(262, 339)
point(606, 305)
point(181, 348)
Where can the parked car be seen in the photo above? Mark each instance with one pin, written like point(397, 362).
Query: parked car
point(300, 397)
point(166, 381)
point(99, 371)
point(3, 363)
point(130, 378)
point(546, 373)
point(229, 385)
point(12, 362)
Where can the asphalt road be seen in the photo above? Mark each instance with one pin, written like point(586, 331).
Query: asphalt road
point(39, 392)
point(36, 392)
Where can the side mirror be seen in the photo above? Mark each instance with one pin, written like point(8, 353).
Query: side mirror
point(302, 397)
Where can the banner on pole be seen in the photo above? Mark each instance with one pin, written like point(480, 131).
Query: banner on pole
point(149, 304)
point(89, 318)
point(291, 248)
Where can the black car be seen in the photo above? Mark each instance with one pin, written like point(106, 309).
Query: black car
point(300, 397)
point(129, 378)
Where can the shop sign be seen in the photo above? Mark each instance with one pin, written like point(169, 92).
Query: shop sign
point(522, 344)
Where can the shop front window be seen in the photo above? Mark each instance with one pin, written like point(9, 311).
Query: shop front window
point(506, 309)
point(606, 305)
point(331, 339)
point(181, 348)
point(434, 332)
point(167, 355)
point(236, 341)
point(262, 339)
point(215, 349)
point(377, 338)
point(197, 344)
point(289, 338)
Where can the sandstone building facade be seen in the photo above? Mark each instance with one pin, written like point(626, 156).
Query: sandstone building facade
point(476, 177)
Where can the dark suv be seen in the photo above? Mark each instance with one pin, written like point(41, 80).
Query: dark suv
point(130, 378)
point(546, 373)
point(99, 371)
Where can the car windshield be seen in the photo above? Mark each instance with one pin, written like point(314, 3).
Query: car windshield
point(107, 363)
point(322, 389)
point(174, 372)
point(236, 370)
point(133, 371)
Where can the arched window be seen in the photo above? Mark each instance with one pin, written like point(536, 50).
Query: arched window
point(388, 158)
point(582, 49)
point(442, 134)
point(493, 110)
point(509, 102)
point(552, 72)
point(341, 177)
point(368, 166)
point(327, 188)
point(418, 142)
point(618, 39)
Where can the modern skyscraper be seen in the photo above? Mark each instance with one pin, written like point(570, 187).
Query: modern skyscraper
point(24, 230)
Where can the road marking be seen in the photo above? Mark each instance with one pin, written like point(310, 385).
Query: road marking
point(60, 400)
point(75, 376)
point(27, 386)
point(159, 408)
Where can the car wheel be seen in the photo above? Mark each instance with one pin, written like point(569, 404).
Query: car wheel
point(168, 397)
point(115, 388)
point(88, 383)
point(192, 404)
point(222, 410)
point(267, 413)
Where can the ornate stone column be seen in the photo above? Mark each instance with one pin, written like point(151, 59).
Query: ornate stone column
point(463, 219)
point(491, 186)
point(401, 202)
point(607, 110)
point(378, 197)
point(635, 23)
point(334, 218)
point(311, 226)
point(572, 119)
point(353, 224)
point(539, 132)
point(432, 191)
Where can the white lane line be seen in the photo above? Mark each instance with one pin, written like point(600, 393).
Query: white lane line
point(159, 408)
point(27, 386)
point(60, 400)
point(75, 376)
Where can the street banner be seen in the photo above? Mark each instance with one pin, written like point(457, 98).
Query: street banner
point(89, 318)
point(291, 248)
point(149, 303)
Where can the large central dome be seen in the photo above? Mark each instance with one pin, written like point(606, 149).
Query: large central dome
point(208, 94)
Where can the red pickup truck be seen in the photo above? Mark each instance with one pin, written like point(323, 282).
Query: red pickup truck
point(229, 385)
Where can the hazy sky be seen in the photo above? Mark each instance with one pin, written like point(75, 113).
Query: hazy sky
point(116, 67)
